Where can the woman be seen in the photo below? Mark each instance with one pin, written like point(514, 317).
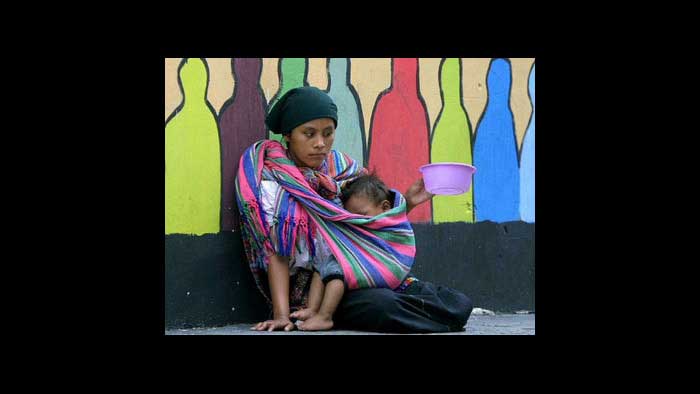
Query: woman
point(288, 196)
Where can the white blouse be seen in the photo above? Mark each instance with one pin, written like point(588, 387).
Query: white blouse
point(270, 194)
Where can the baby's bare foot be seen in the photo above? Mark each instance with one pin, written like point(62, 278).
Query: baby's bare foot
point(316, 322)
point(303, 314)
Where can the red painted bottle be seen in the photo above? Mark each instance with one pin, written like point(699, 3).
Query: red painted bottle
point(399, 133)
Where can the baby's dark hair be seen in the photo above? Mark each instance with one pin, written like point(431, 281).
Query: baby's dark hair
point(368, 185)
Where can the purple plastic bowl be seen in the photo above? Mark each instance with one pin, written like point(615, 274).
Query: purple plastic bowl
point(447, 178)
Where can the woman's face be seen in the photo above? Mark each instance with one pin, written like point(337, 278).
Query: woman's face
point(310, 143)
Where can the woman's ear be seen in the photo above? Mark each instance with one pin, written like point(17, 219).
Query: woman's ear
point(386, 205)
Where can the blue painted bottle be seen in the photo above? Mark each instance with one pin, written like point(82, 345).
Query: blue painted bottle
point(497, 181)
point(350, 134)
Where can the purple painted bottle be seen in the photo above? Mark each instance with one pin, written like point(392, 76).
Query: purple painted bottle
point(242, 122)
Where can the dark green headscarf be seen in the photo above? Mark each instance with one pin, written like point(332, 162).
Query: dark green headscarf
point(299, 106)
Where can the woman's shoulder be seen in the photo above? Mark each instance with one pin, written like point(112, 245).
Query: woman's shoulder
point(336, 152)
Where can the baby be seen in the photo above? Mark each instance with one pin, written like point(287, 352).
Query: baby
point(367, 195)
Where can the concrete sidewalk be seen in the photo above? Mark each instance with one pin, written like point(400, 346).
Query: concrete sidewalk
point(515, 324)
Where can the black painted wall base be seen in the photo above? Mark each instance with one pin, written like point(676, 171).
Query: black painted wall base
point(492, 263)
point(208, 282)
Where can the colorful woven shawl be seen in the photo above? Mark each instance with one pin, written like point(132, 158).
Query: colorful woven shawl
point(373, 252)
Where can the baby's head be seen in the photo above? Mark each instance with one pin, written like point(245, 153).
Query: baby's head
point(367, 195)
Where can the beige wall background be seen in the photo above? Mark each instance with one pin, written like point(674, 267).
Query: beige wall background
point(370, 76)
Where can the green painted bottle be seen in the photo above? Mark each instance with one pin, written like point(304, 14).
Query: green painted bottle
point(292, 73)
point(192, 157)
point(451, 141)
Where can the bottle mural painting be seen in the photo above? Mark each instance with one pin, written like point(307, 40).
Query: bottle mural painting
point(192, 157)
point(350, 134)
point(292, 74)
point(451, 142)
point(242, 122)
point(497, 179)
point(399, 133)
point(527, 160)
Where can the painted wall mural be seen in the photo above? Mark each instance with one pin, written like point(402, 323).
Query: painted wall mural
point(393, 135)
point(451, 142)
point(192, 157)
point(350, 135)
point(527, 161)
point(292, 74)
point(242, 122)
point(398, 142)
point(497, 178)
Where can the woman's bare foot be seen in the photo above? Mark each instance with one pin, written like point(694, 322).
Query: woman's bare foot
point(303, 314)
point(317, 322)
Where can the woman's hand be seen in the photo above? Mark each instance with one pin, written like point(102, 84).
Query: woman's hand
point(416, 194)
point(272, 325)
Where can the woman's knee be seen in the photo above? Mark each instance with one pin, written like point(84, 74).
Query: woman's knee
point(468, 305)
point(463, 308)
point(456, 303)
